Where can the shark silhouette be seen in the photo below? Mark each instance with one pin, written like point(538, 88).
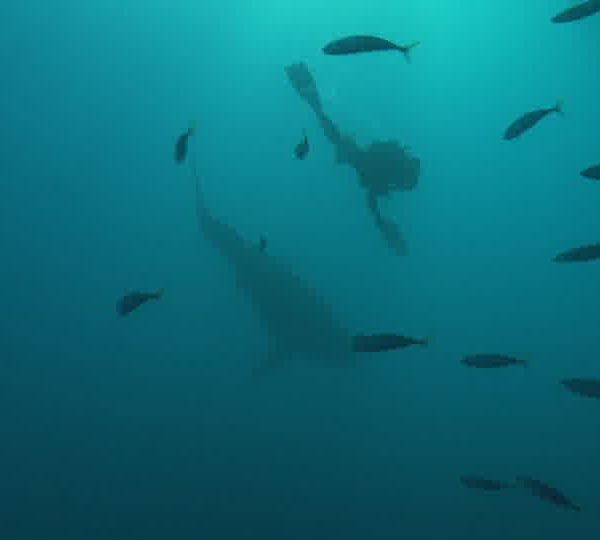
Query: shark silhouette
point(297, 320)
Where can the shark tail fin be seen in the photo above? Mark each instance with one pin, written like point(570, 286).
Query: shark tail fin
point(407, 49)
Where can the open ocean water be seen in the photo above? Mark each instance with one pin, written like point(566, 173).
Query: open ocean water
point(151, 426)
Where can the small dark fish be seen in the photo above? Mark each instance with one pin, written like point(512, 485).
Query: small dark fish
point(528, 120)
point(477, 482)
point(263, 244)
point(580, 11)
point(181, 146)
point(579, 254)
point(363, 44)
point(302, 148)
point(593, 173)
point(385, 342)
point(584, 387)
point(491, 361)
point(134, 300)
point(547, 493)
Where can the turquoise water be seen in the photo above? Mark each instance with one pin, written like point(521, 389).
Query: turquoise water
point(150, 426)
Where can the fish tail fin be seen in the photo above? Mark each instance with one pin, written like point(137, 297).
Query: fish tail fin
point(559, 106)
point(192, 127)
point(407, 49)
point(427, 340)
point(157, 295)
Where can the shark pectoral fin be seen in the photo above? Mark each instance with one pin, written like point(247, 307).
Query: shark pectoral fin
point(273, 361)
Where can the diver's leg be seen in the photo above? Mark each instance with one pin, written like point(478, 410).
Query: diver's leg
point(388, 229)
point(304, 83)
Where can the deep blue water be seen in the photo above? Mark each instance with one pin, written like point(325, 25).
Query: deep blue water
point(150, 427)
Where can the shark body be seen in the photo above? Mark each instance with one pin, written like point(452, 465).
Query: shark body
point(297, 319)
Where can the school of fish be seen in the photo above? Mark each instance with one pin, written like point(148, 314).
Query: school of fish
point(253, 263)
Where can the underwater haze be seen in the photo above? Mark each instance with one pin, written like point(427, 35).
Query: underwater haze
point(151, 426)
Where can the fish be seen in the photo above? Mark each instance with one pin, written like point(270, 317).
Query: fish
point(547, 493)
point(484, 484)
point(133, 300)
point(295, 317)
point(584, 387)
point(386, 342)
point(491, 361)
point(530, 119)
point(579, 254)
point(302, 148)
point(593, 172)
point(181, 146)
point(363, 44)
point(577, 12)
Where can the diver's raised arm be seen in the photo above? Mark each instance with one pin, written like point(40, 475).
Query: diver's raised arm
point(304, 83)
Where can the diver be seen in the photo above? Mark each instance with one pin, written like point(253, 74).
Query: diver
point(383, 167)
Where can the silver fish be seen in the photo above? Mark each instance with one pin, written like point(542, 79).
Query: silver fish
point(579, 254)
point(547, 493)
point(484, 484)
point(491, 361)
point(584, 387)
point(528, 120)
point(363, 44)
point(580, 11)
